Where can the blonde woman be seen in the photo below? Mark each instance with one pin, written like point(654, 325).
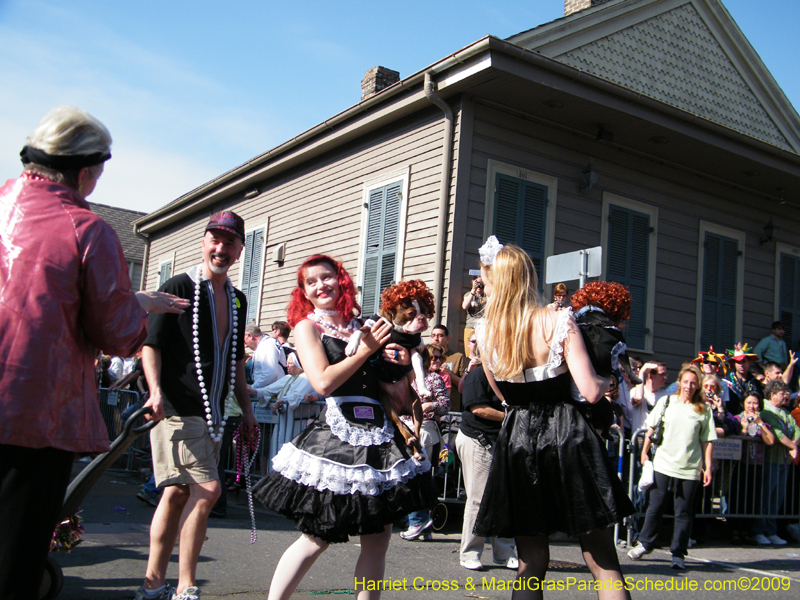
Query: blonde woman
point(550, 471)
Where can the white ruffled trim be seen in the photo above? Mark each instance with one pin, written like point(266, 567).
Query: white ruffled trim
point(322, 474)
point(619, 348)
point(356, 436)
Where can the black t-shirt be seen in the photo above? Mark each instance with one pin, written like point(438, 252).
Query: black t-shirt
point(172, 334)
point(478, 391)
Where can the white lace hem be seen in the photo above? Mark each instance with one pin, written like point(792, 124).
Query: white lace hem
point(554, 366)
point(356, 436)
point(322, 474)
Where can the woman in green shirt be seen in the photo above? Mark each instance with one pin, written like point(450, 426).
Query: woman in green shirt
point(682, 461)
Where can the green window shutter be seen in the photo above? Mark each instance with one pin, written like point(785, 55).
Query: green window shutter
point(718, 321)
point(627, 262)
point(520, 216)
point(380, 255)
point(252, 266)
point(789, 297)
point(164, 273)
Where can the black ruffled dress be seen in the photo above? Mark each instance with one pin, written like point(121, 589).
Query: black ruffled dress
point(349, 472)
point(550, 470)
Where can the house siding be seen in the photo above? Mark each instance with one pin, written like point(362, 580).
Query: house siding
point(318, 209)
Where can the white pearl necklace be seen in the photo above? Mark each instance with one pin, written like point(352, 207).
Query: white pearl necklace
point(334, 329)
point(231, 398)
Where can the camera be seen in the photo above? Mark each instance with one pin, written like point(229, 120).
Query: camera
point(478, 286)
point(750, 419)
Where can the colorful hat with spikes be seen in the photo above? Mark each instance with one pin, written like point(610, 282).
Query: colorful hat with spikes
point(713, 358)
point(740, 352)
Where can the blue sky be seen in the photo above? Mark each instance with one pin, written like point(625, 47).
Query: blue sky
point(190, 90)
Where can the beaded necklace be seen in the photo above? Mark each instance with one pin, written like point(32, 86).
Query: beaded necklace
point(333, 329)
point(231, 398)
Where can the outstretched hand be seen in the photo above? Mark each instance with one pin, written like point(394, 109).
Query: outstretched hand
point(161, 302)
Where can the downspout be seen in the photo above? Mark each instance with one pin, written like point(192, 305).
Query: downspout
point(444, 194)
point(145, 257)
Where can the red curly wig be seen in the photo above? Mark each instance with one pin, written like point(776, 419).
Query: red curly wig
point(614, 298)
point(403, 292)
point(299, 306)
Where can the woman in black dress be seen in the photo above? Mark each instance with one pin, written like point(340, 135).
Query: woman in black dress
point(550, 471)
point(349, 472)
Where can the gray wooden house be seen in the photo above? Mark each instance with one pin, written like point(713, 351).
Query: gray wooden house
point(648, 127)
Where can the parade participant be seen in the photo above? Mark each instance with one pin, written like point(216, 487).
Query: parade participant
point(64, 293)
point(682, 461)
point(350, 472)
point(739, 381)
point(542, 478)
point(194, 365)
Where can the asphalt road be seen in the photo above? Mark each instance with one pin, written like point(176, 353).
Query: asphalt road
point(110, 562)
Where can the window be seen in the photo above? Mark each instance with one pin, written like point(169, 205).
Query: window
point(789, 293)
point(383, 232)
point(517, 211)
point(629, 233)
point(720, 287)
point(252, 267)
point(164, 271)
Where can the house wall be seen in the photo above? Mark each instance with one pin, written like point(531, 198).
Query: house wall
point(683, 200)
point(319, 209)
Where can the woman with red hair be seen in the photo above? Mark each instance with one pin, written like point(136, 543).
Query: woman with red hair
point(350, 472)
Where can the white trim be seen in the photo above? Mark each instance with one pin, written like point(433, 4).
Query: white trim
point(403, 176)
point(781, 248)
point(652, 247)
point(265, 226)
point(494, 167)
point(739, 236)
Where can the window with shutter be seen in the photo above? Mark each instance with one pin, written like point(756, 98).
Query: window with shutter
point(520, 211)
point(252, 267)
point(164, 273)
point(627, 261)
point(789, 297)
point(381, 244)
point(719, 291)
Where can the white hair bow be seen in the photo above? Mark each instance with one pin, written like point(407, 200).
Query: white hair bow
point(488, 252)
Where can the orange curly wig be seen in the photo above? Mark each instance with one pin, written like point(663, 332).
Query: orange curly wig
point(614, 298)
point(403, 292)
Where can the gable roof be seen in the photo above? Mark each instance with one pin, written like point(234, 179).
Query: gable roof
point(121, 219)
point(689, 54)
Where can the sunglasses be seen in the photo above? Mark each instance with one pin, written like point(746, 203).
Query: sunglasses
point(436, 357)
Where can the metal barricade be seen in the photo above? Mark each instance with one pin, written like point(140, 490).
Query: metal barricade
point(750, 480)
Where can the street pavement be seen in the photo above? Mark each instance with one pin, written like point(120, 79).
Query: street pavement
point(110, 562)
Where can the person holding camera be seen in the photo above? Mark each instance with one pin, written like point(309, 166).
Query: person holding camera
point(723, 420)
point(474, 301)
point(560, 293)
point(481, 417)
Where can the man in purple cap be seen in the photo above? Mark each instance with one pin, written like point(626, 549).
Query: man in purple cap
point(194, 365)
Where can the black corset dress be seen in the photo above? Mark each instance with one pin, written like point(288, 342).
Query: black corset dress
point(349, 472)
point(550, 470)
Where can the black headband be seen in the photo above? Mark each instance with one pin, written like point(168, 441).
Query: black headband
point(62, 162)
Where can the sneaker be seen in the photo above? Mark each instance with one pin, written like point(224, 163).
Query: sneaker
point(637, 552)
point(164, 594)
point(415, 531)
point(794, 531)
point(190, 593)
point(512, 563)
point(677, 563)
point(147, 497)
point(761, 539)
point(472, 565)
point(776, 541)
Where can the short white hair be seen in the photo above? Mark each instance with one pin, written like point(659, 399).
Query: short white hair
point(67, 130)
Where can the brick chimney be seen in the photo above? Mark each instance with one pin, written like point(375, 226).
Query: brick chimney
point(573, 6)
point(376, 79)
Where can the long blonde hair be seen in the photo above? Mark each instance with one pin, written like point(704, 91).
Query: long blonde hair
point(513, 311)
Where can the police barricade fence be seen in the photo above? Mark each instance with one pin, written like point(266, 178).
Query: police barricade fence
point(750, 480)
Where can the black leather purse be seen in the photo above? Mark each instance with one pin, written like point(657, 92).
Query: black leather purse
point(657, 437)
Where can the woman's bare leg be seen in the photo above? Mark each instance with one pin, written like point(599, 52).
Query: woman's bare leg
point(601, 557)
point(534, 556)
point(293, 565)
point(372, 562)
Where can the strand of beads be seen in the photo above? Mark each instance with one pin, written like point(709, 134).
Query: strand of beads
point(215, 436)
point(244, 462)
point(336, 330)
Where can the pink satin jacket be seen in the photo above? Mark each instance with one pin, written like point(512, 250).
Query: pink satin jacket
point(64, 293)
